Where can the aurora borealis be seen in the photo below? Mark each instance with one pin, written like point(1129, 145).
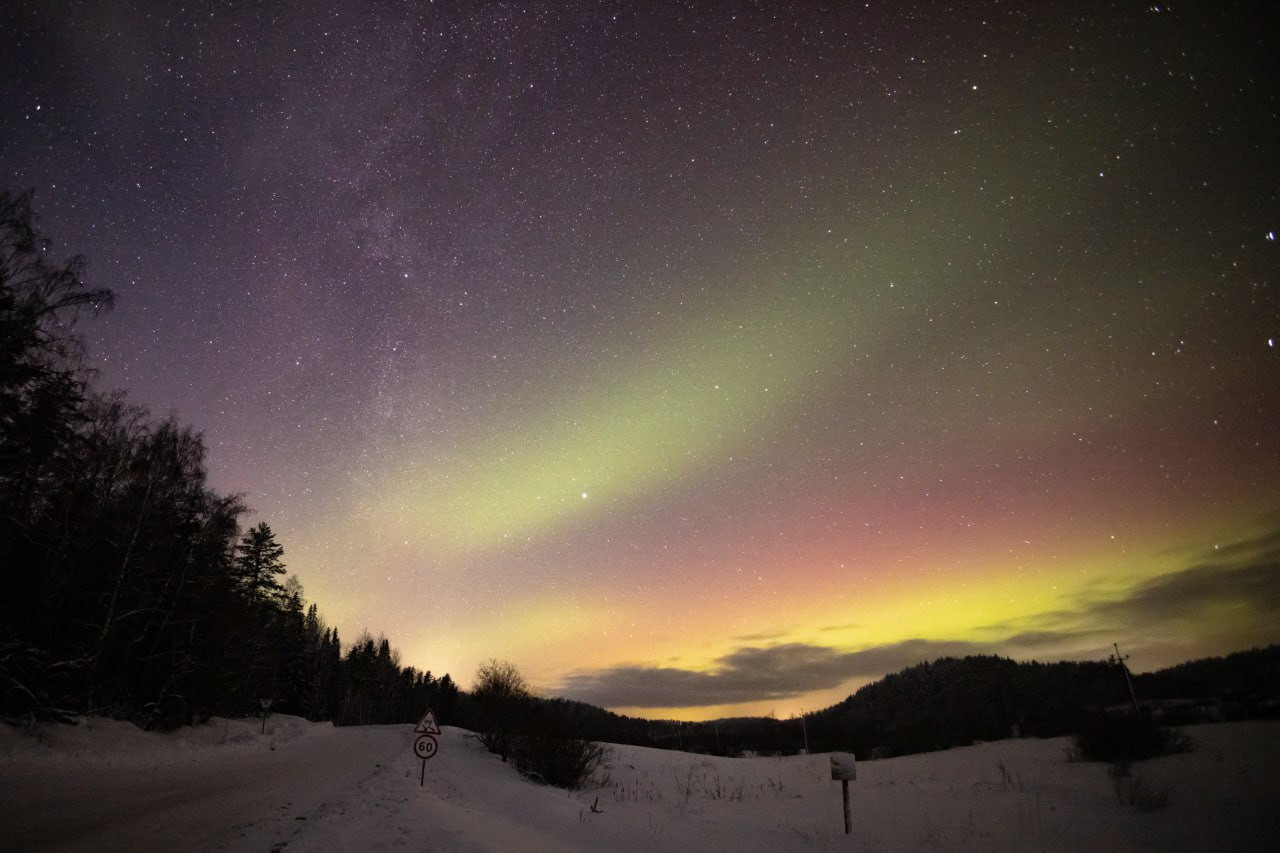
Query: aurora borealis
point(700, 359)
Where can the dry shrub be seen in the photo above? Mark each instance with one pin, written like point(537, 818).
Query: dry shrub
point(564, 762)
point(1131, 790)
point(1126, 738)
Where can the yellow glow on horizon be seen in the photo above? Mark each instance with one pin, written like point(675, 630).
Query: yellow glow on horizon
point(952, 612)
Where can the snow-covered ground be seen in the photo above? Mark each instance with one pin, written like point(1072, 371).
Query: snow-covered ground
point(301, 786)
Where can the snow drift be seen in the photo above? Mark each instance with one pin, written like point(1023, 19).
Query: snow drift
point(300, 786)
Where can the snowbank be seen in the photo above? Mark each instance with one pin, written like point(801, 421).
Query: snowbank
point(98, 741)
point(310, 787)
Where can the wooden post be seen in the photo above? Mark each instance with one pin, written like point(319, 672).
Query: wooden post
point(844, 768)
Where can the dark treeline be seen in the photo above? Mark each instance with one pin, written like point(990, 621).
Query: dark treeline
point(953, 702)
point(1238, 686)
point(937, 705)
point(956, 702)
point(130, 589)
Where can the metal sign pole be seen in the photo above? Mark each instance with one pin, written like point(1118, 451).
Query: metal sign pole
point(426, 745)
point(848, 826)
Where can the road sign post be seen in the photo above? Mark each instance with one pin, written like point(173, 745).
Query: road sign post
point(426, 745)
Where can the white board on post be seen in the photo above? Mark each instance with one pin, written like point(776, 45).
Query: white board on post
point(843, 766)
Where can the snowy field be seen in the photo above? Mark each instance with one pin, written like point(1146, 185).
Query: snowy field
point(303, 786)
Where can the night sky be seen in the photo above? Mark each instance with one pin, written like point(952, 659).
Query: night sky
point(698, 358)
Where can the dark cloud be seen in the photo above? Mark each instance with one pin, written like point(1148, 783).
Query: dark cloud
point(1194, 593)
point(761, 637)
point(753, 674)
point(1255, 550)
point(1030, 640)
point(1240, 578)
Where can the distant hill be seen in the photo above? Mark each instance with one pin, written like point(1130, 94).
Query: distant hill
point(1246, 684)
point(958, 701)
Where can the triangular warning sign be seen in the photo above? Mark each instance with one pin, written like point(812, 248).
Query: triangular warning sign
point(427, 725)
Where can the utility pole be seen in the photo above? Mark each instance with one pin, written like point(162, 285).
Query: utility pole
point(804, 728)
point(1120, 659)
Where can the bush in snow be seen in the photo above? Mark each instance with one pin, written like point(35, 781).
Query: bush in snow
point(565, 762)
point(1125, 738)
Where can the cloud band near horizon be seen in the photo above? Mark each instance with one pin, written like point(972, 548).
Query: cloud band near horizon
point(1233, 589)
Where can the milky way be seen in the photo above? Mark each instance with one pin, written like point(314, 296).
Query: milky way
point(698, 358)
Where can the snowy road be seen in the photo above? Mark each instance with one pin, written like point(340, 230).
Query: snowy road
point(217, 799)
point(105, 786)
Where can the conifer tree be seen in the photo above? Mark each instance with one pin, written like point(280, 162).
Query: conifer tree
point(259, 559)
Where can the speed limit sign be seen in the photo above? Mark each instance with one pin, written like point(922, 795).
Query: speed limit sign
point(425, 747)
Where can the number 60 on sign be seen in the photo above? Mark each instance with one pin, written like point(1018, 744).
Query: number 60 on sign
point(425, 747)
